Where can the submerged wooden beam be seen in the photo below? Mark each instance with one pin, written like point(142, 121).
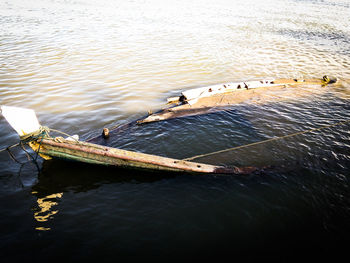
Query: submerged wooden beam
point(98, 154)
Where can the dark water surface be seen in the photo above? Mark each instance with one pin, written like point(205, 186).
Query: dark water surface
point(84, 65)
point(298, 206)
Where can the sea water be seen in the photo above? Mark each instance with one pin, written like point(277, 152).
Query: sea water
point(84, 65)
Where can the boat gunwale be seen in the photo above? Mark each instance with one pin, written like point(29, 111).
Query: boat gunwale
point(160, 162)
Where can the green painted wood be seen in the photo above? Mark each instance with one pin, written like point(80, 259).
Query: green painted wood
point(98, 154)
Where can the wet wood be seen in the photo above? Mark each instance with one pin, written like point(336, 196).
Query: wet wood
point(98, 154)
point(279, 89)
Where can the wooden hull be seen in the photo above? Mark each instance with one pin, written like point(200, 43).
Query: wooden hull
point(98, 154)
point(195, 101)
point(202, 100)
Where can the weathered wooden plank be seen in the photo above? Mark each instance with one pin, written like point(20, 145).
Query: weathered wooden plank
point(97, 154)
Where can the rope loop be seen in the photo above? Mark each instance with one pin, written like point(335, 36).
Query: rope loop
point(42, 132)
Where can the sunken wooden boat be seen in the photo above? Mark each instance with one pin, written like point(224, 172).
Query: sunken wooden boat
point(204, 99)
point(194, 101)
point(25, 122)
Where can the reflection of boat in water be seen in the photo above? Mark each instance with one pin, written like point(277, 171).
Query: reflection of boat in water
point(46, 210)
point(57, 177)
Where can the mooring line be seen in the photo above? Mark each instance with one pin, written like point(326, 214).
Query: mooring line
point(9, 147)
point(40, 134)
point(265, 141)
